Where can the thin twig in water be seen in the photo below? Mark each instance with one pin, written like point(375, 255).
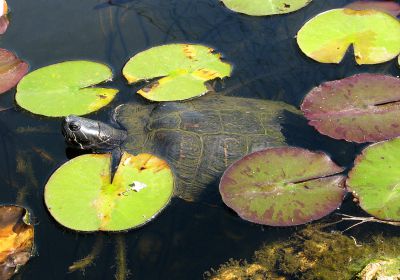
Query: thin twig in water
point(120, 256)
point(89, 259)
point(355, 241)
point(362, 220)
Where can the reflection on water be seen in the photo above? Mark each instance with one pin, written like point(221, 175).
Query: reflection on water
point(186, 239)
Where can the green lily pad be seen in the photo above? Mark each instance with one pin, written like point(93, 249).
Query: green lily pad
point(283, 186)
point(374, 35)
point(375, 180)
point(65, 89)
point(361, 108)
point(265, 7)
point(181, 71)
point(81, 196)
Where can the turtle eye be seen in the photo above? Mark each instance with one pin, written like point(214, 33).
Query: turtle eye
point(73, 126)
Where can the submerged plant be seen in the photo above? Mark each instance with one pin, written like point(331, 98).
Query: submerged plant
point(310, 254)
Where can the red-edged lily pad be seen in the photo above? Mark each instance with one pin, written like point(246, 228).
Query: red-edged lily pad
point(283, 186)
point(3, 24)
point(361, 108)
point(390, 7)
point(12, 69)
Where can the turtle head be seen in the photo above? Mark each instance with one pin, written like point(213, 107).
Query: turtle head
point(86, 134)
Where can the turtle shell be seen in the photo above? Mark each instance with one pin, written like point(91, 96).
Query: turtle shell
point(200, 138)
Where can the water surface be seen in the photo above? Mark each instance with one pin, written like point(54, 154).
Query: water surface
point(186, 239)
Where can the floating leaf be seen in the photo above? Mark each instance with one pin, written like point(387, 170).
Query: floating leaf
point(16, 239)
point(265, 7)
point(81, 196)
point(375, 180)
point(283, 186)
point(375, 36)
point(389, 7)
point(360, 108)
point(65, 88)
point(3, 24)
point(12, 69)
point(181, 70)
point(3, 8)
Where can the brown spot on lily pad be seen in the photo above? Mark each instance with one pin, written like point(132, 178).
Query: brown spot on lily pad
point(189, 51)
point(16, 239)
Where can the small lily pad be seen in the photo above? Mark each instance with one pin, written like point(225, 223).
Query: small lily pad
point(181, 71)
point(16, 239)
point(375, 180)
point(81, 196)
point(283, 186)
point(390, 7)
point(374, 35)
point(360, 108)
point(12, 69)
point(265, 7)
point(65, 89)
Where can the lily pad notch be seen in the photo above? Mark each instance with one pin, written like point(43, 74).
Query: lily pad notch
point(81, 196)
point(65, 88)
point(180, 70)
point(375, 36)
point(283, 186)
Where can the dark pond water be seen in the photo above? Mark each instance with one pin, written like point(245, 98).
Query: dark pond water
point(186, 239)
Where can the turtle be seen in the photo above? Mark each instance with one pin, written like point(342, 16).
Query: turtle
point(199, 138)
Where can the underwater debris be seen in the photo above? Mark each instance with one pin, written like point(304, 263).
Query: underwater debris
point(314, 254)
point(120, 258)
point(237, 270)
point(16, 239)
point(83, 263)
point(388, 269)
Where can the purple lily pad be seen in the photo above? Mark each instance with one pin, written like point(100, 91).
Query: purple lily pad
point(12, 69)
point(361, 108)
point(389, 7)
point(283, 186)
point(3, 24)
